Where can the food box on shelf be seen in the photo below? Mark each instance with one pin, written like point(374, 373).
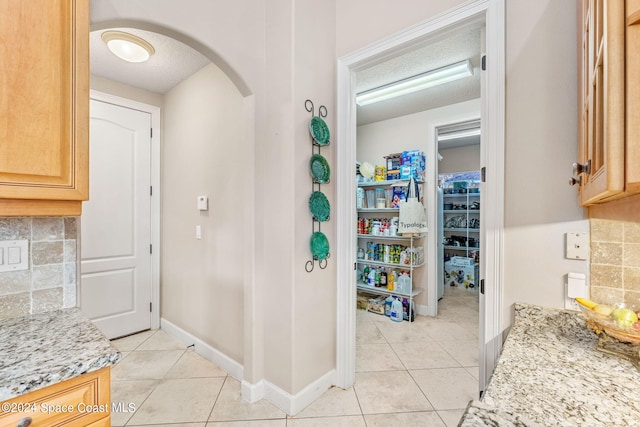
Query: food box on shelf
point(462, 261)
point(413, 164)
point(466, 276)
point(399, 193)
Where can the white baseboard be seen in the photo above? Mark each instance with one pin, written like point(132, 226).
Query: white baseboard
point(291, 404)
point(263, 389)
point(224, 362)
point(421, 310)
point(252, 393)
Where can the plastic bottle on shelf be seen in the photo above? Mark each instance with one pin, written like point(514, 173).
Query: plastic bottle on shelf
point(365, 274)
point(391, 280)
point(396, 311)
point(387, 305)
point(383, 279)
point(407, 311)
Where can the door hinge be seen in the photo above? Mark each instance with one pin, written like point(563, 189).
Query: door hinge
point(483, 174)
point(482, 286)
point(150, 307)
point(355, 265)
point(484, 62)
point(150, 249)
point(151, 190)
point(151, 132)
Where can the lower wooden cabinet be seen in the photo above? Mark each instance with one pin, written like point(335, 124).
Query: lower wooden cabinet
point(82, 401)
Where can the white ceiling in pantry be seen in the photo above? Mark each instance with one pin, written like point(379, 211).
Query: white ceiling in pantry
point(452, 47)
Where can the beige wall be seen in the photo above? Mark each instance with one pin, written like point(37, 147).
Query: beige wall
point(541, 145)
point(204, 154)
point(125, 91)
point(314, 294)
point(460, 159)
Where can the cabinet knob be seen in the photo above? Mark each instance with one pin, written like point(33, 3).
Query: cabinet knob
point(573, 180)
point(579, 168)
point(25, 422)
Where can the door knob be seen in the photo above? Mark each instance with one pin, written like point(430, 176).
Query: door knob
point(573, 180)
point(579, 168)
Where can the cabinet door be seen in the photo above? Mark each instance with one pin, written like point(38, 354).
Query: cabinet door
point(79, 402)
point(632, 47)
point(44, 99)
point(602, 99)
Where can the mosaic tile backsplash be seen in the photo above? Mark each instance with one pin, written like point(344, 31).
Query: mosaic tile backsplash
point(50, 281)
point(615, 261)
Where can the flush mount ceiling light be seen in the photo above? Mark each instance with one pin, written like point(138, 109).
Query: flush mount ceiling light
point(413, 84)
point(127, 46)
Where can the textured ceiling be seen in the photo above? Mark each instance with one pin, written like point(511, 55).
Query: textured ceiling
point(455, 47)
point(172, 62)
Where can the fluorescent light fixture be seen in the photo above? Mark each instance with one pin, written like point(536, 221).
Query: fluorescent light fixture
point(459, 134)
point(127, 46)
point(413, 84)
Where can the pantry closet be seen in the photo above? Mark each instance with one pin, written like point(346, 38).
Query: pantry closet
point(458, 189)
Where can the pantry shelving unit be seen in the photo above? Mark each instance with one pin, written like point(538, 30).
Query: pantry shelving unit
point(408, 241)
point(468, 229)
point(461, 237)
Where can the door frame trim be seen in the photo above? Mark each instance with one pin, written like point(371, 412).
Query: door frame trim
point(154, 111)
point(493, 131)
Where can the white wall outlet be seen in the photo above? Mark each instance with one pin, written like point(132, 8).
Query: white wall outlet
point(577, 246)
point(571, 304)
point(15, 255)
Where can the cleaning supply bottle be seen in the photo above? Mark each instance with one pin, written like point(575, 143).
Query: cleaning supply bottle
point(372, 277)
point(396, 310)
point(407, 310)
point(387, 305)
point(391, 280)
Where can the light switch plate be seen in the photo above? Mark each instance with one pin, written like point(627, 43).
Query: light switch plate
point(577, 246)
point(15, 255)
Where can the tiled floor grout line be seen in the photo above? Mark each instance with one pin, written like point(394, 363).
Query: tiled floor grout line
point(226, 378)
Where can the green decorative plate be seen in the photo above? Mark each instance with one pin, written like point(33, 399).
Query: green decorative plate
point(319, 130)
point(319, 206)
point(319, 169)
point(319, 246)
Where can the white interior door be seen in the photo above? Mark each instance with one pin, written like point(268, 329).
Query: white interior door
point(115, 290)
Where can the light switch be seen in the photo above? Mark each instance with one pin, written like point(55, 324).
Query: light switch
point(577, 246)
point(14, 255)
point(198, 232)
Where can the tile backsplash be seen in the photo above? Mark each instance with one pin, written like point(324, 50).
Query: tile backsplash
point(50, 281)
point(615, 261)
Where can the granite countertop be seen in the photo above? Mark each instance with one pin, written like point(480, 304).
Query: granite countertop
point(44, 349)
point(550, 373)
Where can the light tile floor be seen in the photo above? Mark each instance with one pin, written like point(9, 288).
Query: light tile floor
point(418, 374)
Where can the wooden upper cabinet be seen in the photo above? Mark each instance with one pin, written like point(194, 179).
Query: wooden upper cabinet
point(632, 48)
point(609, 142)
point(44, 106)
